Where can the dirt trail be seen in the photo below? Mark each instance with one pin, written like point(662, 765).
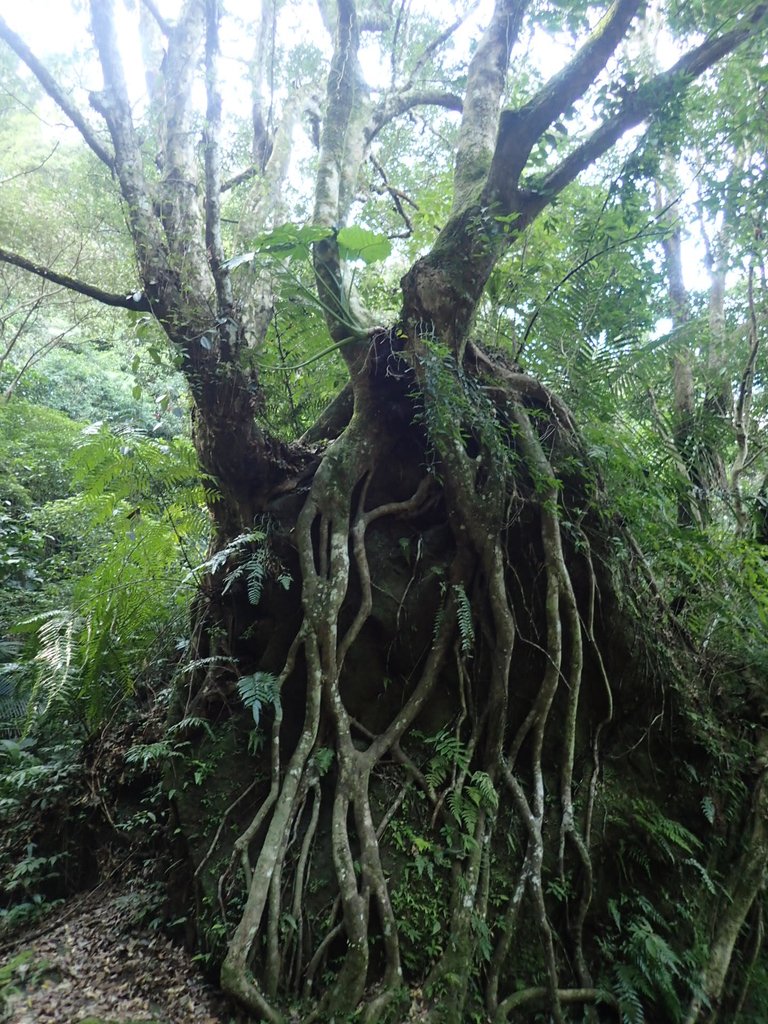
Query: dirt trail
point(92, 963)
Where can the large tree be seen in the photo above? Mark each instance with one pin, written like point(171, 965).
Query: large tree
point(443, 653)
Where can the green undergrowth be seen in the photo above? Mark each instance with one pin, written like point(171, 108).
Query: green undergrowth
point(21, 973)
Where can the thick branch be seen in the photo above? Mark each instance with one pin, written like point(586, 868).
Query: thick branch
point(519, 133)
point(55, 91)
point(343, 96)
point(213, 158)
point(162, 24)
point(341, 152)
point(180, 209)
point(180, 65)
point(644, 102)
point(443, 288)
point(540, 996)
point(136, 302)
point(113, 103)
point(238, 179)
point(272, 159)
point(263, 57)
point(485, 86)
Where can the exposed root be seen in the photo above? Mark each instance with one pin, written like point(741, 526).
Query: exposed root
point(536, 998)
point(502, 759)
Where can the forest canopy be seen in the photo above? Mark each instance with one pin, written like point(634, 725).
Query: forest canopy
point(383, 405)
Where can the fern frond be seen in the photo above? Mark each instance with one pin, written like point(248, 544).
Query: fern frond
point(626, 983)
point(255, 571)
point(464, 811)
point(705, 875)
point(150, 755)
point(192, 722)
point(464, 619)
point(488, 797)
point(13, 706)
point(667, 834)
point(216, 659)
point(55, 659)
point(257, 690)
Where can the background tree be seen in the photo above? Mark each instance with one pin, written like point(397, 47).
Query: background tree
point(427, 619)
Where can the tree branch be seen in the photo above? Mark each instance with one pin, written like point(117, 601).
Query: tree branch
point(485, 86)
point(162, 24)
point(434, 45)
point(341, 150)
point(137, 302)
point(645, 101)
point(28, 314)
point(30, 170)
point(240, 178)
point(54, 90)
point(182, 220)
point(263, 78)
point(211, 140)
point(398, 197)
point(400, 103)
point(114, 105)
point(570, 84)
point(265, 157)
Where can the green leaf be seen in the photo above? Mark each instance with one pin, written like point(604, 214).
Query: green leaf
point(287, 241)
point(239, 260)
point(708, 808)
point(464, 617)
point(259, 689)
point(358, 243)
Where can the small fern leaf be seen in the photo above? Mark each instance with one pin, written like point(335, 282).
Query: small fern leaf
point(482, 784)
point(255, 571)
point(257, 690)
point(464, 619)
point(708, 809)
point(626, 988)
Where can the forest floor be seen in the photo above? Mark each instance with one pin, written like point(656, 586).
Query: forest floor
point(90, 963)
